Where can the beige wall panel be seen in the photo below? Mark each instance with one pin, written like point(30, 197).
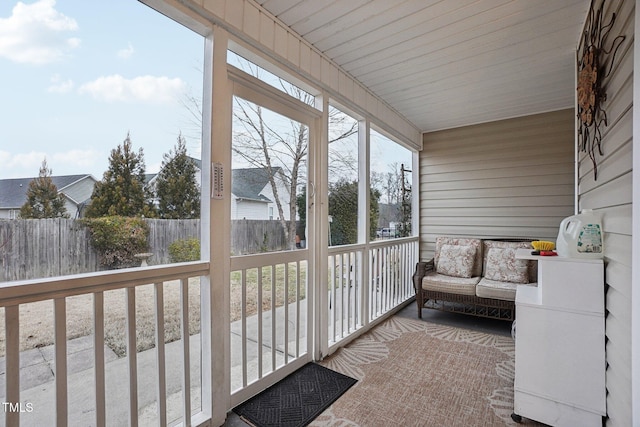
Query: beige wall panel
point(325, 71)
point(512, 178)
point(470, 194)
point(611, 196)
point(281, 41)
point(316, 64)
point(617, 159)
point(617, 220)
point(502, 202)
point(525, 159)
point(305, 58)
point(617, 244)
point(251, 22)
point(372, 103)
point(359, 95)
point(267, 31)
point(611, 167)
point(233, 13)
point(293, 50)
point(344, 85)
point(616, 192)
point(512, 211)
point(214, 5)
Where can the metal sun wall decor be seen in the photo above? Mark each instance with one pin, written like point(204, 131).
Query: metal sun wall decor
point(592, 70)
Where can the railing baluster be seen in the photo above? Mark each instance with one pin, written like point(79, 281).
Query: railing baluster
point(274, 306)
point(392, 277)
point(349, 285)
point(12, 360)
point(132, 355)
point(243, 314)
point(340, 297)
point(332, 298)
point(98, 351)
point(60, 328)
point(388, 278)
point(298, 282)
point(259, 309)
point(160, 353)
point(286, 313)
point(186, 357)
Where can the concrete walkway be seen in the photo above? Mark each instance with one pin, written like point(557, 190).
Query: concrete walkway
point(38, 385)
point(37, 378)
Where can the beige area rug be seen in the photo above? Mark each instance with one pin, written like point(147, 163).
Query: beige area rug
point(414, 373)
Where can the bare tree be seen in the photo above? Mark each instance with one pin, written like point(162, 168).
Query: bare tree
point(281, 150)
point(275, 149)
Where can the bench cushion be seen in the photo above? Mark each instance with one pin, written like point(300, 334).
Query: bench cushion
point(502, 265)
point(495, 289)
point(498, 244)
point(454, 285)
point(476, 243)
point(456, 260)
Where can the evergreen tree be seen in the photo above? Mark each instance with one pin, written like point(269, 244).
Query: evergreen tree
point(122, 189)
point(177, 188)
point(343, 208)
point(43, 199)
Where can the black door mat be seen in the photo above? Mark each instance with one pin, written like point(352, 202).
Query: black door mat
point(296, 400)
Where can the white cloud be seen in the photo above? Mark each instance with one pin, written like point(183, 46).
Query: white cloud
point(25, 161)
point(24, 165)
point(148, 89)
point(82, 158)
point(127, 52)
point(58, 85)
point(35, 33)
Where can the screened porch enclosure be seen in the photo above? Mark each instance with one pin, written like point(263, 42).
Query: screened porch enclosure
point(183, 343)
point(164, 384)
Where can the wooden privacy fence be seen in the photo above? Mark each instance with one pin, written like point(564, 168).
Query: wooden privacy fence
point(36, 248)
point(255, 236)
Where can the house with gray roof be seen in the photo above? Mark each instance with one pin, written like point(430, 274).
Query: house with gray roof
point(253, 196)
point(77, 190)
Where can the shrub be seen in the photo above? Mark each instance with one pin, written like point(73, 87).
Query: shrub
point(117, 239)
point(184, 250)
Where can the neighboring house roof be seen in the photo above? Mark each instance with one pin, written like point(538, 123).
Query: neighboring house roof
point(198, 162)
point(150, 178)
point(248, 183)
point(13, 192)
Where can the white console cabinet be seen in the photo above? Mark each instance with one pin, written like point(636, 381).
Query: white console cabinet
point(560, 343)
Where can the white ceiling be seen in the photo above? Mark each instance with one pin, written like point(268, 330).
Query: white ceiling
point(449, 63)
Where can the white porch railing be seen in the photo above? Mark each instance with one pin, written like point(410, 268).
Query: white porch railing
point(391, 265)
point(269, 327)
point(366, 282)
point(346, 291)
point(269, 337)
point(117, 396)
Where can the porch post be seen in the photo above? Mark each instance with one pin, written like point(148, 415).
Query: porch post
point(364, 219)
point(319, 170)
point(635, 232)
point(216, 230)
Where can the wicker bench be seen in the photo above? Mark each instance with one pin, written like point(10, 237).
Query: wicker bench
point(473, 276)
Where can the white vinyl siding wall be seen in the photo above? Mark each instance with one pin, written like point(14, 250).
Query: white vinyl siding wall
point(510, 178)
point(248, 209)
point(611, 196)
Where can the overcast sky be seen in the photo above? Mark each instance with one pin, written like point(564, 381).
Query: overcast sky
point(77, 75)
